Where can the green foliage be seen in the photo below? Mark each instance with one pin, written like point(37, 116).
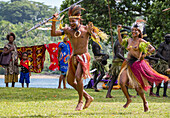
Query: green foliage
point(125, 13)
point(18, 16)
point(158, 21)
point(24, 11)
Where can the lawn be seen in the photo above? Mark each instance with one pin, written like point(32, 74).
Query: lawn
point(42, 102)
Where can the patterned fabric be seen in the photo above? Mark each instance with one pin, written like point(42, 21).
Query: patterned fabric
point(26, 63)
point(25, 66)
point(9, 78)
point(52, 48)
point(139, 73)
point(64, 56)
point(84, 60)
point(12, 68)
point(36, 56)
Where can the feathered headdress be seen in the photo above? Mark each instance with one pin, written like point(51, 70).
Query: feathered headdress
point(98, 34)
point(75, 11)
point(140, 24)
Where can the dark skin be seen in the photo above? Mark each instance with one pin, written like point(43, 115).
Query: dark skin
point(96, 51)
point(25, 57)
point(80, 46)
point(119, 53)
point(6, 52)
point(164, 53)
point(152, 60)
point(62, 77)
point(132, 51)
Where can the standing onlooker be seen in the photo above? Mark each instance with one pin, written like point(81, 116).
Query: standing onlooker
point(63, 57)
point(25, 70)
point(164, 54)
point(11, 71)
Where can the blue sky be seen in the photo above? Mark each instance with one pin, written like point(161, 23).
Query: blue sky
point(47, 2)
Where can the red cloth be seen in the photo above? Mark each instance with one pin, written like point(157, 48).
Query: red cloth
point(52, 48)
point(84, 60)
point(25, 64)
point(36, 56)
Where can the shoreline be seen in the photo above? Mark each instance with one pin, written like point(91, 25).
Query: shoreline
point(38, 76)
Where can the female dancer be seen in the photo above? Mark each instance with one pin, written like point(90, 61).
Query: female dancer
point(135, 71)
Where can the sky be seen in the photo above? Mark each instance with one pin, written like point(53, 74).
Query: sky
point(47, 2)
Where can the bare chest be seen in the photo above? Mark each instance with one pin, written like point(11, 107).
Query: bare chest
point(78, 38)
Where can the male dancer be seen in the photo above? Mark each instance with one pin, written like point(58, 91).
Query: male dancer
point(164, 54)
point(100, 60)
point(117, 62)
point(80, 60)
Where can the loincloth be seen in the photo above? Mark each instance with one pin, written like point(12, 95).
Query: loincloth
point(84, 61)
point(97, 63)
point(116, 67)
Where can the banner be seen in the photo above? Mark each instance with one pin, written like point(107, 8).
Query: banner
point(52, 48)
point(36, 55)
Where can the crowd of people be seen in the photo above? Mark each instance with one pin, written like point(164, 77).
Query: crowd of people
point(135, 71)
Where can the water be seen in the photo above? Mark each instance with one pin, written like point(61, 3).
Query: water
point(42, 83)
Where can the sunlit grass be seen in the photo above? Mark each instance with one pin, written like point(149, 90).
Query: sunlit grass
point(40, 102)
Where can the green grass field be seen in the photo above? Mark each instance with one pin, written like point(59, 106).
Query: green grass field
point(41, 102)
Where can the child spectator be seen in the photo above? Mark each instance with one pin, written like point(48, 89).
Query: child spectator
point(25, 70)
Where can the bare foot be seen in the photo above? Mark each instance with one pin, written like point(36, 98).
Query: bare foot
point(146, 108)
point(127, 103)
point(88, 101)
point(131, 96)
point(152, 94)
point(79, 106)
point(109, 96)
point(65, 88)
point(59, 87)
point(95, 89)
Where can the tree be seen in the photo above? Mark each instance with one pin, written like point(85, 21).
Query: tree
point(24, 11)
point(158, 21)
point(125, 13)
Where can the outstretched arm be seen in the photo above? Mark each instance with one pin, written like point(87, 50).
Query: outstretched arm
point(119, 35)
point(53, 28)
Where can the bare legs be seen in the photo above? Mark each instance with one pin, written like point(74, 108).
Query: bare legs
point(13, 84)
point(123, 82)
point(78, 86)
point(62, 78)
point(165, 89)
point(98, 80)
point(23, 85)
point(142, 95)
point(113, 80)
point(6, 84)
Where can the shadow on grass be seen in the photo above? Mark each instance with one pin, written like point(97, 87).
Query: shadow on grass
point(43, 94)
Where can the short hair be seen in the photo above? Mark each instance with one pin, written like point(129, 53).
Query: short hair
point(10, 34)
point(24, 53)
